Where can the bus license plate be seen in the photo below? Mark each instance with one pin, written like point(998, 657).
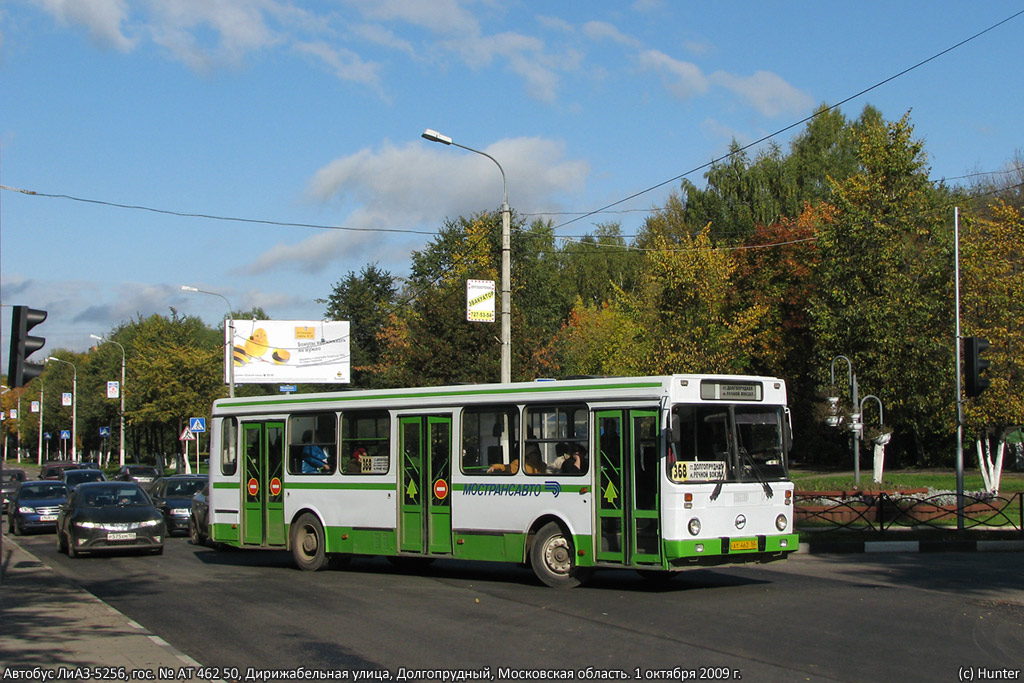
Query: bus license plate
point(749, 544)
point(121, 536)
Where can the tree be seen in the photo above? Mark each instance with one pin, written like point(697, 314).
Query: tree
point(992, 285)
point(883, 295)
point(365, 300)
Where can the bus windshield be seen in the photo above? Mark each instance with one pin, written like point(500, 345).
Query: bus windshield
point(727, 443)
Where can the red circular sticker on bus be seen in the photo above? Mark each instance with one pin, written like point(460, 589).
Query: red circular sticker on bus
point(254, 486)
point(275, 487)
point(441, 489)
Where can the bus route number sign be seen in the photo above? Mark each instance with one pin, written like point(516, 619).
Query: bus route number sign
point(698, 471)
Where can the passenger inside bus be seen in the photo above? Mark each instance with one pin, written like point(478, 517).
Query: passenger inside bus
point(577, 462)
point(314, 458)
point(534, 463)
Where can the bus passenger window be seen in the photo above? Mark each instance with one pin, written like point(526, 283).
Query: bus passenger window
point(490, 443)
point(229, 446)
point(366, 442)
point(312, 443)
point(559, 433)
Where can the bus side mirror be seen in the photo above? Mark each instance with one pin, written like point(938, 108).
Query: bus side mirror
point(787, 433)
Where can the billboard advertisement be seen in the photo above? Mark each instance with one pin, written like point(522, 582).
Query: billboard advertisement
point(290, 351)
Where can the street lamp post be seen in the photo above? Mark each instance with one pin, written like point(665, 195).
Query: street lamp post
point(506, 267)
point(228, 360)
point(856, 424)
point(74, 406)
point(121, 392)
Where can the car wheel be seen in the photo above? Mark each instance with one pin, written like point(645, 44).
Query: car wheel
point(72, 551)
point(15, 526)
point(62, 546)
point(195, 534)
point(308, 542)
point(553, 558)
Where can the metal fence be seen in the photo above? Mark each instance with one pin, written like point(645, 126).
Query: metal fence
point(884, 511)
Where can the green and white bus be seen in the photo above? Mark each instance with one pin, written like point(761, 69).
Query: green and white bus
point(655, 474)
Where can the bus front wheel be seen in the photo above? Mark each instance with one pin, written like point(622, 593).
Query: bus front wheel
point(308, 543)
point(554, 559)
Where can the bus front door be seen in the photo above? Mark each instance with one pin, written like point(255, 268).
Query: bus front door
point(629, 524)
point(425, 524)
point(262, 484)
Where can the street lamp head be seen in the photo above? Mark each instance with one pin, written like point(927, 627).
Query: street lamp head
point(96, 337)
point(186, 288)
point(434, 136)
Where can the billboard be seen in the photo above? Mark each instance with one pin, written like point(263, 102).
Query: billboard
point(480, 301)
point(290, 351)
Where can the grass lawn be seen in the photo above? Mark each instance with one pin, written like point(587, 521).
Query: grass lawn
point(933, 479)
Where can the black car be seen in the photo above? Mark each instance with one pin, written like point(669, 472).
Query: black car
point(198, 520)
point(109, 515)
point(35, 506)
point(75, 477)
point(144, 474)
point(10, 482)
point(173, 496)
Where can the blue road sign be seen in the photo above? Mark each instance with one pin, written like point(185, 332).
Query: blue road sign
point(105, 432)
point(65, 433)
point(197, 424)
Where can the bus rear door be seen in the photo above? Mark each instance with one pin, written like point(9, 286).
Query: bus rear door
point(263, 484)
point(629, 524)
point(425, 524)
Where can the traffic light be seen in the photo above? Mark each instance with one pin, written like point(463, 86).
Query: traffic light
point(23, 345)
point(974, 365)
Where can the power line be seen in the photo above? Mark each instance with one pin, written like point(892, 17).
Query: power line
point(792, 125)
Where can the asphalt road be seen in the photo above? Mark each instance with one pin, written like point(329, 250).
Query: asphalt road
point(908, 617)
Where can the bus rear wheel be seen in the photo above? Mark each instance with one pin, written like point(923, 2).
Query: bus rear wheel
point(308, 543)
point(553, 558)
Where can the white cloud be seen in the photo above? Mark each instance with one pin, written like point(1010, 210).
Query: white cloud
point(416, 185)
point(683, 79)
point(102, 18)
point(345, 64)
point(601, 30)
point(768, 92)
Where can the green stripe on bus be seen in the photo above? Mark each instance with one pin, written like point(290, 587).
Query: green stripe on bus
point(541, 387)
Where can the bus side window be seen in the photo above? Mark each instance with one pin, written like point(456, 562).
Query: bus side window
point(490, 443)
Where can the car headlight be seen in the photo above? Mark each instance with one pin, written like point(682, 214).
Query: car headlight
point(149, 522)
point(25, 510)
point(88, 525)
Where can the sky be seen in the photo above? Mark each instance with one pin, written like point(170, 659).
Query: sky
point(300, 122)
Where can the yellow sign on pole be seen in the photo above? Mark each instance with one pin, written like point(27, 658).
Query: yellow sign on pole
point(480, 301)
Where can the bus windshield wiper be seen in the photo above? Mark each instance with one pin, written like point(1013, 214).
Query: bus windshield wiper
point(757, 473)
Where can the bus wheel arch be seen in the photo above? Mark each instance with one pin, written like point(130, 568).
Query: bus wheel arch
point(552, 555)
point(308, 542)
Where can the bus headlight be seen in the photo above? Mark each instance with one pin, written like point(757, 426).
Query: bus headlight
point(781, 522)
point(694, 526)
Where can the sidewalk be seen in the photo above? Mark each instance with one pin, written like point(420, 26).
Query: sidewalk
point(52, 630)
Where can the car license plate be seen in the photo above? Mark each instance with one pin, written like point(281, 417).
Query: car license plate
point(121, 536)
point(47, 518)
point(749, 544)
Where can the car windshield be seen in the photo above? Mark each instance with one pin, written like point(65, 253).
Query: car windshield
point(78, 476)
point(43, 491)
point(142, 471)
point(185, 487)
point(113, 496)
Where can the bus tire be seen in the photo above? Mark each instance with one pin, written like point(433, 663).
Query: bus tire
point(553, 558)
point(309, 547)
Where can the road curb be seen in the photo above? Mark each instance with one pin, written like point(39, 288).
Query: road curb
point(851, 547)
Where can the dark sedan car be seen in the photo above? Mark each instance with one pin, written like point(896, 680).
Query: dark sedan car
point(109, 515)
point(144, 474)
point(198, 520)
point(75, 477)
point(35, 506)
point(173, 496)
point(10, 482)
